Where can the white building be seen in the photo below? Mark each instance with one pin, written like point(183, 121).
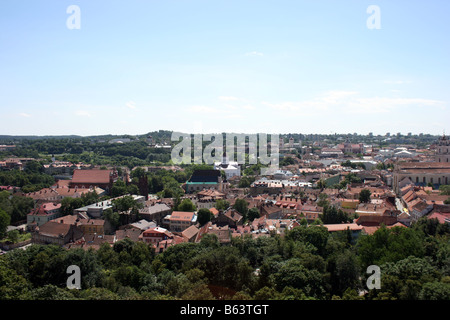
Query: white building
point(231, 168)
point(282, 175)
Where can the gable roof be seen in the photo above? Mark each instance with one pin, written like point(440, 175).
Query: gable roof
point(442, 217)
point(91, 176)
point(343, 227)
point(155, 208)
point(210, 193)
point(222, 233)
point(44, 209)
point(159, 230)
point(59, 230)
point(132, 234)
point(233, 215)
point(375, 220)
point(54, 229)
point(182, 216)
point(143, 224)
point(190, 232)
point(214, 211)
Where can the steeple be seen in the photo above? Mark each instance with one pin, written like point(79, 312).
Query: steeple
point(443, 149)
point(225, 159)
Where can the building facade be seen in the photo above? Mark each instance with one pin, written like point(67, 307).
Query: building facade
point(443, 150)
point(421, 173)
point(43, 214)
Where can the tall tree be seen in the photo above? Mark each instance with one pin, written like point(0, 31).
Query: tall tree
point(4, 222)
point(222, 204)
point(187, 205)
point(241, 206)
point(253, 213)
point(364, 196)
point(204, 215)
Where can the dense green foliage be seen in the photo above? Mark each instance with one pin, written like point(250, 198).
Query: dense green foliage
point(95, 150)
point(308, 263)
point(17, 207)
point(26, 180)
point(332, 215)
point(204, 215)
point(364, 196)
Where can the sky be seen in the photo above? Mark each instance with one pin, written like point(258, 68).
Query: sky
point(246, 66)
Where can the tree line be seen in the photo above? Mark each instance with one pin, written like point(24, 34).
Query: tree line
point(308, 263)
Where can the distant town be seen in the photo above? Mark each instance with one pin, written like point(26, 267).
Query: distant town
point(143, 227)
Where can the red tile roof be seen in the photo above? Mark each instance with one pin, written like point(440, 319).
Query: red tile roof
point(214, 211)
point(440, 216)
point(343, 227)
point(91, 176)
point(182, 216)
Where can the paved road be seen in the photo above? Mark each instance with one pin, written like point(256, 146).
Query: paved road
point(399, 204)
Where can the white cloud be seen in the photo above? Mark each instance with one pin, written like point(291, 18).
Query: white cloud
point(397, 81)
point(320, 104)
point(25, 115)
point(131, 105)
point(349, 102)
point(203, 109)
point(83, 113)
point(384, 104)
point(254, 53)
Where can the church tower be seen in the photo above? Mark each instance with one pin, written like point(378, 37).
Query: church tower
point(443, 150)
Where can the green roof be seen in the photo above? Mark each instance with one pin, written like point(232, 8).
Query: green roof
point(188, 182)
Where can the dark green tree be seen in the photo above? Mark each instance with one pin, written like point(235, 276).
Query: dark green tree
point(187, 205)
point(364, 196)
point(253, 213)
point(204, 215)
point(4, 223)
point(241, 206)
point(222, 204)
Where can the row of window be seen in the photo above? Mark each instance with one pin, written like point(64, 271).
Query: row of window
point(431, 180)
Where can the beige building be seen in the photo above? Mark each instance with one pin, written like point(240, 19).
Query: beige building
point(424, 173)
point(57, 233)
point(443, 150)
point(421, 173)
point(179, 221)
point(43, 214)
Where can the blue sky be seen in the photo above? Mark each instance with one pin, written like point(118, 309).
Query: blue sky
point(211, 66)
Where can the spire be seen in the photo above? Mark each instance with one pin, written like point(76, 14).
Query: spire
point(224, 158)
